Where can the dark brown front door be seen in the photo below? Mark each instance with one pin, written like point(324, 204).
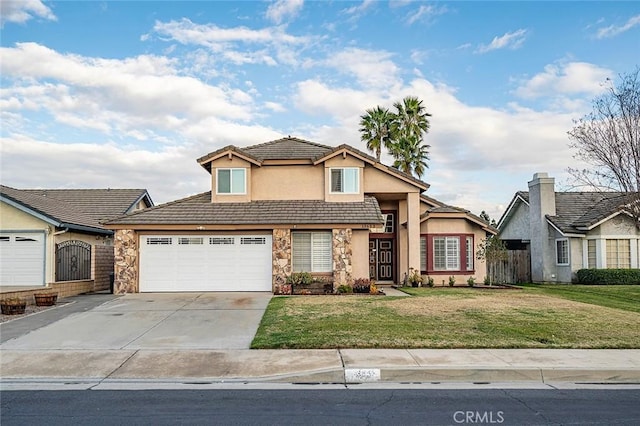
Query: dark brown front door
point(381, 259)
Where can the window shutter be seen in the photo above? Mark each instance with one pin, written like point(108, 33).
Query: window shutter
point(453, 253)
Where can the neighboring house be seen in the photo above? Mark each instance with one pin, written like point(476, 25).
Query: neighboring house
point(292, 205)
point(568, 231)
point(55, 237)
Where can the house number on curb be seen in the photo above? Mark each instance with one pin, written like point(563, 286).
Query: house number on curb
point(361, 375)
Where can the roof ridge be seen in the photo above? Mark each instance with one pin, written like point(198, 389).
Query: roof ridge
point(288, 138)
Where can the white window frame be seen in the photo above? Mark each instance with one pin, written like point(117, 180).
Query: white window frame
point(343, 169)
point(451, 262)
point(231, 170)
point(567, 249)
point(315, 260)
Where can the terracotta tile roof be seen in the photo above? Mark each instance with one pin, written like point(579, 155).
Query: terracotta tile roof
point(199, 210)
point(81, 209)
point(576, 211)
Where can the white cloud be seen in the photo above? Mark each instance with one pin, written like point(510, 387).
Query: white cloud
point(614, 30)
point(371, 68)
point(20, 11)
point(425, 12)
point(279, 10)
point(557, 80)
point(512, 40)
point(359, 9)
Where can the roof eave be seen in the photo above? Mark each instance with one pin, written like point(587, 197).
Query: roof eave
point(507, 212)
point(205, 161)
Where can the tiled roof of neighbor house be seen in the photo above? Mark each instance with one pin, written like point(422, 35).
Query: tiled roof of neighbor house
point(98, 204)
point(578, 210)
point(80, 209)
point(59, 212)
point(199, 210)
point(289, 148)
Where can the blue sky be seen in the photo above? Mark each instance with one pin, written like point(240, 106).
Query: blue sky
point(129, 94)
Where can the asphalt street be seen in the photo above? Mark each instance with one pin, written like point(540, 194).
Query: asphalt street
point(323, 407)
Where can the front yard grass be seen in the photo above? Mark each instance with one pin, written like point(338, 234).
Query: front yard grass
point(626, 297)
point(450, 318)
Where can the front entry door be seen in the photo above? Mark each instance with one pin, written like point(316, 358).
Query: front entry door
point(381, 259)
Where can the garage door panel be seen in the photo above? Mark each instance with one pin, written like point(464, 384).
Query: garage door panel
point(205, 263)
point(21, 259)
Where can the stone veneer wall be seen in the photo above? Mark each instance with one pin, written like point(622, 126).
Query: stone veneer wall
point(126, 262)
point(281, 258)
point(342, 257)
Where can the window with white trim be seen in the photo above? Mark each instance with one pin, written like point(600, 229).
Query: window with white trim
point(231, 181)
point(469, 253)
point(345, 180)
point(446, 253)
point(311, 252)
point(618, 253)
point(562, 251)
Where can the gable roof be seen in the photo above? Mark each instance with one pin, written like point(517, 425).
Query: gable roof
point(79, 209)
point(199, 210)
point(438, 208)
point(577, 212)
point(292, 148)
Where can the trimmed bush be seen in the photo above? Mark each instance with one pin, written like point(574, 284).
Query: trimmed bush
point(609, 276)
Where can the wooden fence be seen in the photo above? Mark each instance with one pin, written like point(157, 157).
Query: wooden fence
point(513, 270)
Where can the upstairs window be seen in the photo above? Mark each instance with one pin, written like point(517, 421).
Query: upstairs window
point(345, 180)
point(231, 181)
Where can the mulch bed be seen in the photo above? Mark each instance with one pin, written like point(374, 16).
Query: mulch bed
point(29, 310)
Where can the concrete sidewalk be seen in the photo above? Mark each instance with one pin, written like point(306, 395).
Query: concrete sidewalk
point(326, 366)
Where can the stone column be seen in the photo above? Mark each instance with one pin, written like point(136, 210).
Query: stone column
point(281, 259)
point(126, 262)
point(342, 257)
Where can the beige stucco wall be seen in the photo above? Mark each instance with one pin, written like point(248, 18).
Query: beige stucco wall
point(360, 250)
point(291, 182)
point(377, 181)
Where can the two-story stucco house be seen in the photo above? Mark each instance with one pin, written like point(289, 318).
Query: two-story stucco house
point(292, 205)
point(568, 231)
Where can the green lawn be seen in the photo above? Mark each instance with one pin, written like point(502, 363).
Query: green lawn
point(534, 317)
point(626, 297)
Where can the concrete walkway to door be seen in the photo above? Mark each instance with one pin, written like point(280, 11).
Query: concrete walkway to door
point(155, 321)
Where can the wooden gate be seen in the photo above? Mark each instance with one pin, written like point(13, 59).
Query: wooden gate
point(515, 269)
point(73, 261)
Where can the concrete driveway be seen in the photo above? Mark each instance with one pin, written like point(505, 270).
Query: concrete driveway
point(155, 321)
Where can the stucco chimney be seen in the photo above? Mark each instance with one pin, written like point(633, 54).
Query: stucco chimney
point(542, 202)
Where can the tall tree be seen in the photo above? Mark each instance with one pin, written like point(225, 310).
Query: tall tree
point(375, 129)
point(608, 139)
point(410, 155)
point(401, 132)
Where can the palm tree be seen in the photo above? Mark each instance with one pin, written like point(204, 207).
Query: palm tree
point(410, 155)
point(375, 129)
point(411, 118)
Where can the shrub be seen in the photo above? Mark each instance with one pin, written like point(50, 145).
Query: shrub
point(487, 280)
point(471, 281)
point(344, 288)
point(452, 281)
point(300, 278)
point(430, 281)
point(609, 276)
point(361, 285)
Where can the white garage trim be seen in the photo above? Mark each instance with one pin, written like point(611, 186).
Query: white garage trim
point(22, 258)
point(174, 263)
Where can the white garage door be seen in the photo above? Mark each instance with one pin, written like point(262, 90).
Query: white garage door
point(205, 263)
point(22, 259)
